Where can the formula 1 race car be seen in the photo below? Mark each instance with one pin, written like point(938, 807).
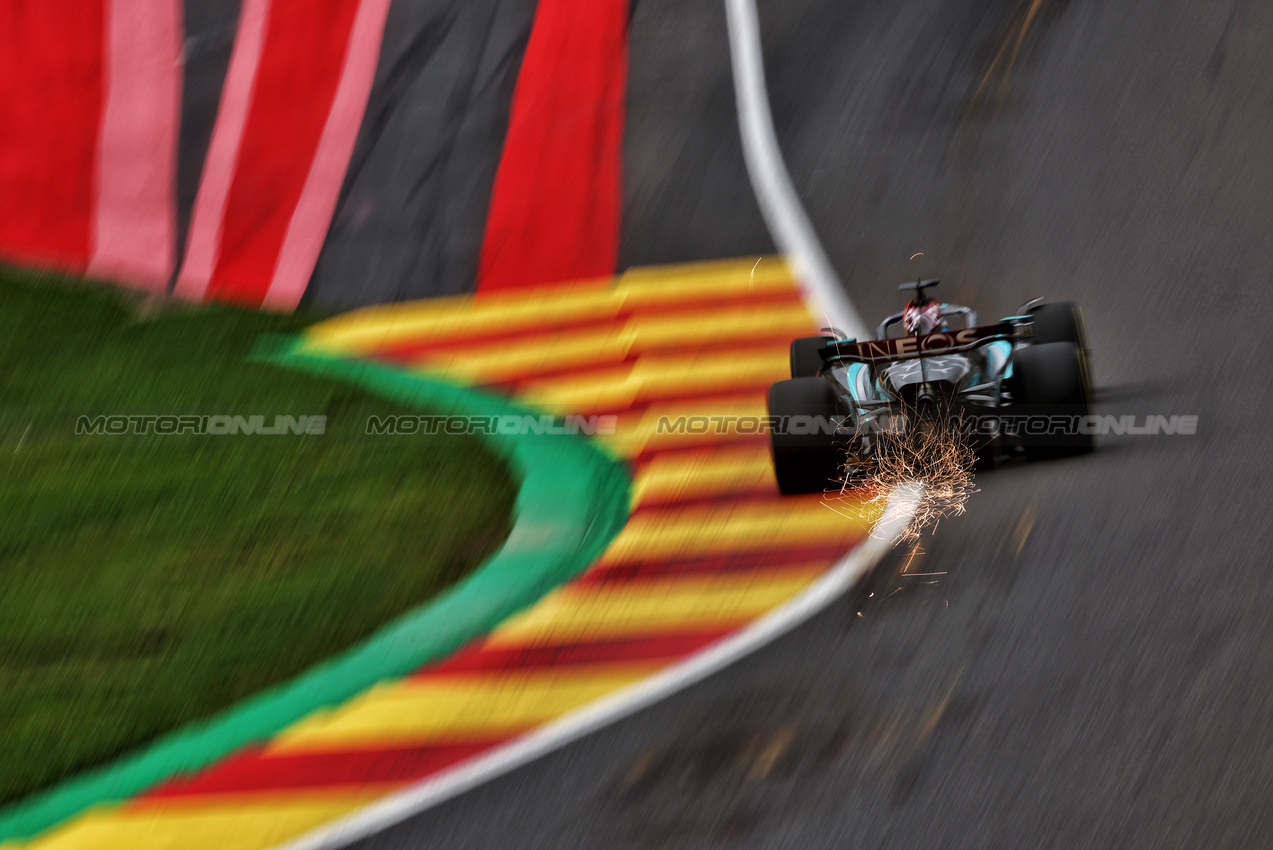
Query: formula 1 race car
point(1020, 387)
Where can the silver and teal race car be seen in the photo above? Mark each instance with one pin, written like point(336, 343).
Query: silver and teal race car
point(1018, 388)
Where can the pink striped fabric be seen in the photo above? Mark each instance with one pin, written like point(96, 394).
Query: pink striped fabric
point(134, 224)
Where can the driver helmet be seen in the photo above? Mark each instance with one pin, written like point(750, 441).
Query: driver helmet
point(919, 319)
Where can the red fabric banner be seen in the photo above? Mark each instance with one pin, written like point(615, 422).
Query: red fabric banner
point(555, 205)
point(51, 97)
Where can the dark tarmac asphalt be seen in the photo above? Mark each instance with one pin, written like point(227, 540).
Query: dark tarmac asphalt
point(1092, 665)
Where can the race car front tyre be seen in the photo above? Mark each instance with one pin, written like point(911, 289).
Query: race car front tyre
point(807, 436)
point(1052, 396)
point(805, 360)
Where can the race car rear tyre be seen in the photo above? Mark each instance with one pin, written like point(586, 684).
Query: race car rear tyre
point(805, 360)
point(1052, 393)
point(806, 458)
point(1061, 321)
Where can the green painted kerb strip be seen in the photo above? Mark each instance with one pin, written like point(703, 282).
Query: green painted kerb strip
point(573, 501)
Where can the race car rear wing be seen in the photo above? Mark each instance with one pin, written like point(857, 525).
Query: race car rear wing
point(928, 345)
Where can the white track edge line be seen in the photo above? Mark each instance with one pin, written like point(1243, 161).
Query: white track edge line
point(571, 727)
point(779, 205)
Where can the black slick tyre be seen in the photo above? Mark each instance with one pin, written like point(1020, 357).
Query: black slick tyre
point(1051, 391)
point(1059, 322)
point(809, 451)
point(805, 360)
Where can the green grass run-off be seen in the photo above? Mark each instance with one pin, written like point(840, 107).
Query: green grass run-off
point(147, 581)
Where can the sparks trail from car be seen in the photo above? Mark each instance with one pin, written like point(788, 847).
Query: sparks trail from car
point(1010, 48)
point(939, 459)
point(916, 552)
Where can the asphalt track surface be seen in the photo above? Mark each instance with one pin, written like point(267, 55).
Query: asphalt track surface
point(1093, 664)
